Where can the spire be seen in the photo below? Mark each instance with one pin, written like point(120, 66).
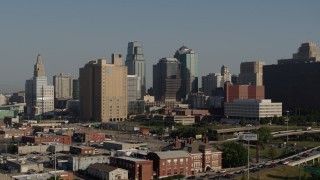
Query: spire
point(39, 59)
point(38, 70)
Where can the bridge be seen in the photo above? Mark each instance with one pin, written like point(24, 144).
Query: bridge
point(293, 132)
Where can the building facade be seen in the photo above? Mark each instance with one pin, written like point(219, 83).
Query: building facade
point(75, 89)
point(136, 64)
point(295, 82)
point(251, 73)
point(169, 163)
point(138, 169)
point(189, 69)
point(243, 92)
point(252, 109)
point(107, 172)
point(134, 91)
point(166, 80)
point(63, 86)
point(39, 95)
point(103, 90)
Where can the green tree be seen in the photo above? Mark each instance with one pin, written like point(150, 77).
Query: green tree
point(272, 152)
point(233, 155)
point(264, 135)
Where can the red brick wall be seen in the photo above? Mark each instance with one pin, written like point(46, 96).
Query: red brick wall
point(170, 169)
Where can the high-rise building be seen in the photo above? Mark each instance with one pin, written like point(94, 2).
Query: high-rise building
point(166, 80)
point(189, 70)
point(295, 82)
point(39, 95)
point(136, 63)
point(133, 87)
point(63, 86)
point(251, 73)
point(103, 90)
point(75, 89)
point(213, 81)
point(307, 52)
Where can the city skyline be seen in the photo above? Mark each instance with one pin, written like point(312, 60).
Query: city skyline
point(69, 34)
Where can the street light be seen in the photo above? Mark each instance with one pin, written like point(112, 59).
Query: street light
point(287, 121)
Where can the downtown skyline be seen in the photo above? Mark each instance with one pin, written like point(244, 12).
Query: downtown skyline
point(70, 34)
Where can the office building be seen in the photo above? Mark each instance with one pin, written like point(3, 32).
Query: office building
point(295, 82)
point(166, 80)
point(214, 81)
point(233, 92)
point(189, 70)
point(75, 89)
point(251, 73)
point(253, 109)
point(307, 53)
point(39, 95)
point(136, 64)
point(63, 86)
point(103, 90)
point(134, 88)
point(19, 97)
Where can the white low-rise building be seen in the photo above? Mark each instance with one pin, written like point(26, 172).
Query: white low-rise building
point(252, 109)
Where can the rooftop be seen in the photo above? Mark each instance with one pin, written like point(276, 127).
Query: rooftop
point(132, 159)
point(102, 167)
point(172, 154)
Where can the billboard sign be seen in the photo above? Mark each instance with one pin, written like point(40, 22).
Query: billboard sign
point(199, 136)
point(248, 137)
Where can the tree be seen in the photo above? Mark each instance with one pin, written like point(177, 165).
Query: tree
point(233, 155)
point(272, 153)
point(264, 135)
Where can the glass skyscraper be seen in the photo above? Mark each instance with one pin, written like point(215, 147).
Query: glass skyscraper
point(189, 70)
point(136, 63)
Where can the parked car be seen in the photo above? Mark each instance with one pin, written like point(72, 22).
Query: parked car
point(222, 171)
point(228, 175)
point(305, 155)
point(285, 162)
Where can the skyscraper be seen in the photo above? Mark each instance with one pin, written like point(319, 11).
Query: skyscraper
point(103, 90)
point(213, 81)
point(189, 69)
point(295, 82)
point(166, 79)
point(251, 73)
point(39, 95)
point(136, 63)
point(63, 86)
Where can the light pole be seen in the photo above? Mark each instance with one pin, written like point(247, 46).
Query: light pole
point(287, 121)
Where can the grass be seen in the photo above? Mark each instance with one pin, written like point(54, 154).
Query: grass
point(278, 173)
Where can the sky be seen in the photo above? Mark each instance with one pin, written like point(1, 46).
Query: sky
point(70, 33)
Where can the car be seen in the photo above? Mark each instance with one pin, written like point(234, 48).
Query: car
point(228, 175)
point(222, 171)
point(305, 155)
point(240, 172)
point(296, 158)
point(285, 162)
point(272, 165)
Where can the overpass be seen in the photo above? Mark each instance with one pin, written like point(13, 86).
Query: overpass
point(293, 132)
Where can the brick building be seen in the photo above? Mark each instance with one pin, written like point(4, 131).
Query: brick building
point(82, 150)
point(9, 133)
point(89, 136)
point(138, 169)
point(46, 138)
point(243, 92)
point(169, 163)
point(203, 157)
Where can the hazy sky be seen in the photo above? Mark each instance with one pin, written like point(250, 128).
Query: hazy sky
point(69, 33)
